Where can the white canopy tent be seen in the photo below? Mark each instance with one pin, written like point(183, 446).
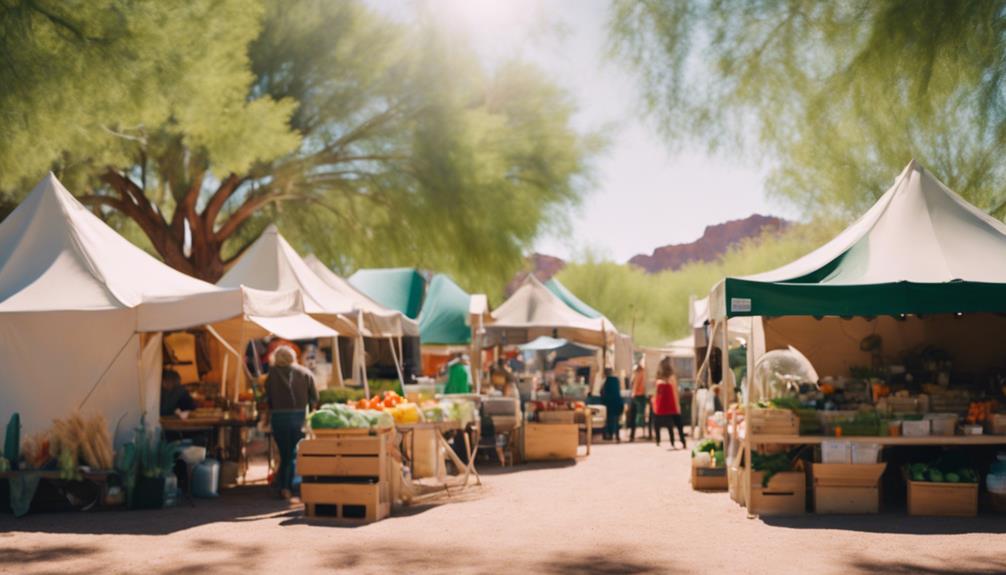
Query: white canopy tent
point(82, 309)
point(533, 311)
point(271, 263)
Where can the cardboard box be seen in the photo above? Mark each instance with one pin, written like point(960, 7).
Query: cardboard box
point(785, 494)
point(942, 499)
point(847, 488)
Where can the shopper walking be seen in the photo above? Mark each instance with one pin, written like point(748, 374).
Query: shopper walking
point(667, 403)
point(637, 409)
point(290, 391)
point(611, 397)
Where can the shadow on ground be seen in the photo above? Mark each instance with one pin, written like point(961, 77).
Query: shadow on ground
point(977, 566)
point(895, 522)
point(242, 504)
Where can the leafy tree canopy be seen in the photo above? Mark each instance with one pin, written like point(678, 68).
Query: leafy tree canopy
point(839, 96)
point(190, 126)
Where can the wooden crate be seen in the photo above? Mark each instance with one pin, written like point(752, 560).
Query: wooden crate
point(774, 422)
point(942, 499)
point(847, 487)
point(709, 478)
point(557, 416)
point(351, 502)
point(786, 494)
point(346, 475)
point(551, 441)
point(736, 488)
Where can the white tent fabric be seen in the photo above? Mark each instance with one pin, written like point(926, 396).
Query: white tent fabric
point(919, 232)
point(272, 264)
point(74, 299)
point(533, 310)
point(378, 320)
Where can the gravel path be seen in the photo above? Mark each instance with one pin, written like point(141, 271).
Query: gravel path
point(626, 509)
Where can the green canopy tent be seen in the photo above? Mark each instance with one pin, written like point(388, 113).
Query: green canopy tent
point(399, 289)
point(570, 299)
point(444, 317)
point(920, 268)
point(921, 249)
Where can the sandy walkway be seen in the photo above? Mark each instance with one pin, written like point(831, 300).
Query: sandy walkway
point(626, 509)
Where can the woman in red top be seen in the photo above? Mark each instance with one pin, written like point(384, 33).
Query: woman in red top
point(666, 403)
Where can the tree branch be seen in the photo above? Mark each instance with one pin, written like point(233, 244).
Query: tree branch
point(245, 211)
point(224, 192)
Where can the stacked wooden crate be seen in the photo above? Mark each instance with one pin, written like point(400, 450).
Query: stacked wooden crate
point(346, 474)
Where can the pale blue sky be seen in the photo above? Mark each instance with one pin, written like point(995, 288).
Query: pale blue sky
point(645, 196)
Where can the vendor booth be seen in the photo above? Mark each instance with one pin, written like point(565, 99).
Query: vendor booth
point(451, 323)
point(875, 362)
point(84, 308)
point(397, 289)
point(84, 311)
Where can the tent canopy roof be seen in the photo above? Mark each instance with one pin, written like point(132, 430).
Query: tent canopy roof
point(400, 289)
point(380, 320)
point(570, 299)
point(444, 318)
point(533, 308)
point(58, 256)
point(920, 249)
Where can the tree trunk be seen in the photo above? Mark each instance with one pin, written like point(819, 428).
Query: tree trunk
point(204, 259)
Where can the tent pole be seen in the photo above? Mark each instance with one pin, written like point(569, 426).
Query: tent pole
point(336, 364)
point(398, 366)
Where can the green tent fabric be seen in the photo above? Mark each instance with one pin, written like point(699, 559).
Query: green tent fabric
point(570, 299)
point(400, 289)
point(921, 249)
point(444, 318)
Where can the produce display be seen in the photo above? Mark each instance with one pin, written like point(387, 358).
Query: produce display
point(554, 405)
point(941, 473)
point(715, 450)
point(770, 464)
point(341, 416)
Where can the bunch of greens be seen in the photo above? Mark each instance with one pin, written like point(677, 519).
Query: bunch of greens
point(952, 467)
point(341, 416)
point(770, 464)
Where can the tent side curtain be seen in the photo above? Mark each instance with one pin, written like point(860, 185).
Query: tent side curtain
point(737, 297)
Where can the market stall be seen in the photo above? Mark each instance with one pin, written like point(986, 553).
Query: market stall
point(894, 327)
point(451, 322)
point(83, 313)
point(397, 289)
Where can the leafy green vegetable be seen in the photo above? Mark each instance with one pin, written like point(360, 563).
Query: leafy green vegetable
point(770, 464)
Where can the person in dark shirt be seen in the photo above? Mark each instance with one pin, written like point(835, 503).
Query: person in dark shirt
point(175, 399)
point(290, 390)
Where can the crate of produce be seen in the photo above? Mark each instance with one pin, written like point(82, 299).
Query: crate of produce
point(346, 475)
point(942, 499)
point(847, 488)
point(709, 478)
point(785, 494)
point(551, 441)
point(767, 421)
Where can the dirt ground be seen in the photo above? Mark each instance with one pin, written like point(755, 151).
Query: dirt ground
point(625, 509)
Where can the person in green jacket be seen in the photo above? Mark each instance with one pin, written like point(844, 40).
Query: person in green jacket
point(458, 376)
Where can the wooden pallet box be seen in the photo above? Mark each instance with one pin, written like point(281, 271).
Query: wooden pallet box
point(847, 488)
point(709, 478)
point(346, 475)
point(774, 422)
point(736, 488)
point(551, 441)
point(785, 494)
point(942, 499)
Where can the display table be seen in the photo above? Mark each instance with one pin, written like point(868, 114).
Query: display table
point(468, 432)
point(226, 436)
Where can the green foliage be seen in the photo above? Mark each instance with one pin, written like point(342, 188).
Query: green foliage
point(369, 142)
point(344, 394)
point(838, 95)
point(655, 306)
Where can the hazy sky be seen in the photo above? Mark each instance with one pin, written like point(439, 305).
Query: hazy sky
point(645, 196)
